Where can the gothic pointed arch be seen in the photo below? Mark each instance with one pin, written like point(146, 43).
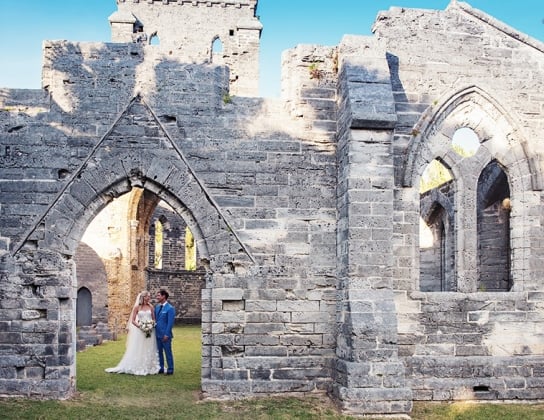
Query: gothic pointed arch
point(474, 108)
point(130, 160)
point(216, 50)
point(120, 163)
point(493, 226)
point(501, 141)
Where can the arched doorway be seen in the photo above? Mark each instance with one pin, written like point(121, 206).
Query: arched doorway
point(51, 242)
point(84, 307)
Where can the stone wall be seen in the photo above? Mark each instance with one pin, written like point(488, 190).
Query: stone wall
point(183, 285)
point(305, 210)
point(92, 275)
point(185, 289)
point(454, 344)
point(187, 30)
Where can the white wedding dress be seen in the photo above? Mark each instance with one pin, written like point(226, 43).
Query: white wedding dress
point(141, 356)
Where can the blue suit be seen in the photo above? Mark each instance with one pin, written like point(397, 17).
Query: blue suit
point(164, 318)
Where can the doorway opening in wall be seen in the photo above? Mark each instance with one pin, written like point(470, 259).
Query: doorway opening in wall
point(137, 242)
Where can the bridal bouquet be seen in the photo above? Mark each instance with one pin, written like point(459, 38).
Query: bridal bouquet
point(147, 327)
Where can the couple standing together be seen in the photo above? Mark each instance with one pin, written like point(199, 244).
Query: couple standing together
point(147, 350)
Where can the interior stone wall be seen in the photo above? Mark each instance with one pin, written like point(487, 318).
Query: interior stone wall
point(91, 274)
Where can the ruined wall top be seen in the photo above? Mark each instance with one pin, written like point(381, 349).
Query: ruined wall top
point(181, 23)
point(223, 3)
point(220, 32)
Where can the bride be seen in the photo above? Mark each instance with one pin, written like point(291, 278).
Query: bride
point(141, 355)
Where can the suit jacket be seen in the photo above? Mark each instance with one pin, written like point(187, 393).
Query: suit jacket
point(164, 320)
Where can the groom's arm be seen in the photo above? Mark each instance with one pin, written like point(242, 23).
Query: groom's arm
point(171, 316)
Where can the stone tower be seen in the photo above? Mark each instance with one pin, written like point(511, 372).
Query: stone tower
point(219, 32)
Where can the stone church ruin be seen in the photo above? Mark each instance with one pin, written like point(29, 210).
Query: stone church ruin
point(335, 240)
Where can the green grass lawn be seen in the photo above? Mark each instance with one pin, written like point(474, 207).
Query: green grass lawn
point(104, 395)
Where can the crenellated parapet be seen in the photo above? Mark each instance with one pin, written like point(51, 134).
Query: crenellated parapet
point(238, 4)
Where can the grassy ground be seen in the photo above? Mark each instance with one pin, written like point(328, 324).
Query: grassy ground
point(104, 395)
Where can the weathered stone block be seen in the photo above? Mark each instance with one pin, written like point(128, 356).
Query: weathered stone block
point(227, 294)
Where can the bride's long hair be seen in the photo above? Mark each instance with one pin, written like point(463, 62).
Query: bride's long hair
point(140, 299)
point(139, 302)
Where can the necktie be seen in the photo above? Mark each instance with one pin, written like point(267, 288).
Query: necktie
point(160, 309)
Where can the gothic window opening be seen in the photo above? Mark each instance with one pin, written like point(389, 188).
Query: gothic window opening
point(159, 241)
point(465, 142)
point(436, 256)
point(217, 50)
point(465, 217)
point(154, 39)
point(190, 250)
point(172, 243)
point(180, 272)
point(217, 46)
point(493, 221)
point(434, 175)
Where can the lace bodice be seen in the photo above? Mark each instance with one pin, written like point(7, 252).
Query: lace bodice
point(145, 315)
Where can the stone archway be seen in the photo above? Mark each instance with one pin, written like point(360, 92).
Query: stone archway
point(45, 255)
point(120, 239)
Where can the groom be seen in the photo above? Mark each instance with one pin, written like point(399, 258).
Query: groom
point(164, 317)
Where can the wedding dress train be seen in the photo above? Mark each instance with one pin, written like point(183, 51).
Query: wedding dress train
point(141, 356)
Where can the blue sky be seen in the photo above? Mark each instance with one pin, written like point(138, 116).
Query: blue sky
point(24, 24)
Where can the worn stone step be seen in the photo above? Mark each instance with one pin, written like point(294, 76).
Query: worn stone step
point(319, 103)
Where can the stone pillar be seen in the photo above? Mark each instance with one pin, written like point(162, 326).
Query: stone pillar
point(369, 377)
point(466, 229)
